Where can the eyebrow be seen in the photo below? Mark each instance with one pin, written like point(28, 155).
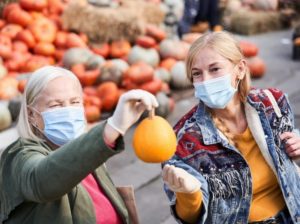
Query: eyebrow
point(60, 101)
point(212, 64)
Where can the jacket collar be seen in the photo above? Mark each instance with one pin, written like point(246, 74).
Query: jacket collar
point(210, 133)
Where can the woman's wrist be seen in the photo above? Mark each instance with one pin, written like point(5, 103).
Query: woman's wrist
point(110, 135)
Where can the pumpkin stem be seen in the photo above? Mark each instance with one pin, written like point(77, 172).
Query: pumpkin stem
point(151, 113)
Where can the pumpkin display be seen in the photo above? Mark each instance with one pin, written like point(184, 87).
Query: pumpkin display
point(248, 49)
point(256, 66)
point(179, 78)
point(154, 140)
point(5, 117)
point(149, 56)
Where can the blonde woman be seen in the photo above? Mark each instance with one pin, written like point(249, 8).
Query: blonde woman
point(234, 159)
point(54, 172)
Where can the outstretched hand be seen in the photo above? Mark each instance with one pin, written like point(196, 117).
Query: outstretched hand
point(179, 180)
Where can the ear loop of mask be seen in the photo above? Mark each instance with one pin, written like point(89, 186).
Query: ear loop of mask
point(34, 125)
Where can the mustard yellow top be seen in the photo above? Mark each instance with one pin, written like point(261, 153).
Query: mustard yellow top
point(267, 199)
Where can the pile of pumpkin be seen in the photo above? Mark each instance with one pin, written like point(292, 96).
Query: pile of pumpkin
point(256, 64)
point(32, 35)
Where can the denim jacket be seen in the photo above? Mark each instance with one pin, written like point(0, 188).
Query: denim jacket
point(225, 177)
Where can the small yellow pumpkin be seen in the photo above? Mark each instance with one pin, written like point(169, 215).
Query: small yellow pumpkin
point(154, 140)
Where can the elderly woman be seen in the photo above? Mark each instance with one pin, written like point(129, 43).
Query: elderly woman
point(54, 172)
point(236, 149)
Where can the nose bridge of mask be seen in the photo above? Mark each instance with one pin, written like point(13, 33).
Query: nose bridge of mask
point(62, 114)
point(213, 85)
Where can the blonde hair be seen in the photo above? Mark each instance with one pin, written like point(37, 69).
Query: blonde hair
point(224, 44)
point(35, 85)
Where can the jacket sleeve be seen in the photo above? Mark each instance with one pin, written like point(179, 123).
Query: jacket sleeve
point(43, 177)
point(176, 161)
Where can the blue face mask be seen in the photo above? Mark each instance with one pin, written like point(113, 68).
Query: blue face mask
point(215, 93)
point(64, 124)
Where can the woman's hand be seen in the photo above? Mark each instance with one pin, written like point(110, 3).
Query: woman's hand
point(292, 143)
point(130, 107)
point(178, 180)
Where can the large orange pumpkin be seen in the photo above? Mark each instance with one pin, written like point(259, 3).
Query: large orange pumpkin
point(139, 73)
point(8, 8)
point(155, 32)
point(20, 17)
point(154, 140)
point(74, 40)
point(101, 49)
point(145, 41)
point(45, 49)
point(20, 46)
point(5, 46)
point(92, 113)
point(8, 88)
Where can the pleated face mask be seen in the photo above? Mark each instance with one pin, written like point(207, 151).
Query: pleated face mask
point(64, 124)
point(215, 93)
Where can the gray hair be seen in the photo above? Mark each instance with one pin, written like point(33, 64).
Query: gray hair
point(35, 85)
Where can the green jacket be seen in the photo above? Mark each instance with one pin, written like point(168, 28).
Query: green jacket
point(40, 186)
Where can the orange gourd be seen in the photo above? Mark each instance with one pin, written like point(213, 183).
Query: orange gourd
point(154, 140)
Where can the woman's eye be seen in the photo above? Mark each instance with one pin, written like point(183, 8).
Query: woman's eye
point(215, 69)
point(54, 105)
point(76, 102)
point(196, 74)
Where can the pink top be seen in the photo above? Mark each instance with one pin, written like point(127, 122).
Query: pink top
point(104, 210)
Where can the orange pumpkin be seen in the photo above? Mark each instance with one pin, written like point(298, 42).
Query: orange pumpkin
point(45, 49)
point(92, 100)
point(256, 66)
point(34, 5)
point(92, 113)
point(20, 17)
point(146, 41)
point(139, 73)
point(119, 48)
point(154, 140)
point(5, 46)
point(90, 91)
point(74, 40)
point(27, 37)
point(109, 95)
point(61, 39)
point(8, 88)
point(248, 49)
point(101, 49)
point(11, 30)
point(56, 7)
point(43, 30)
